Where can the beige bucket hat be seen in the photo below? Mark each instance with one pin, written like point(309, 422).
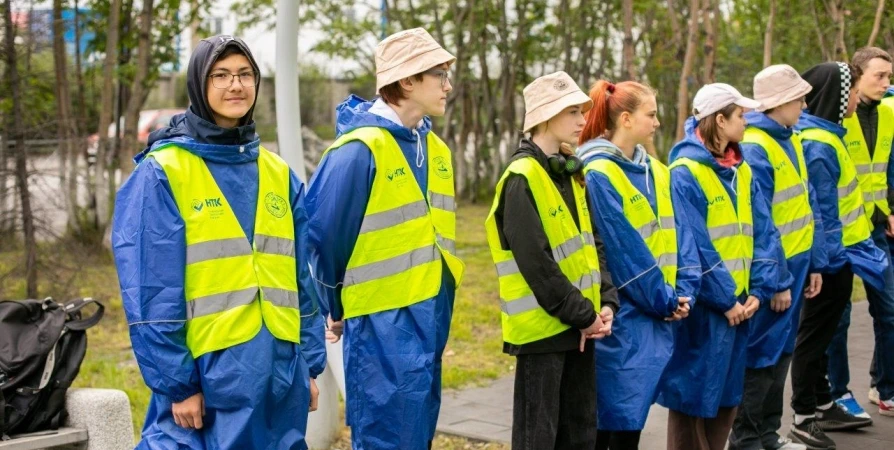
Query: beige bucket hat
point(716, 96)
point(407, 53)
point(777, 85)
point(548, 95)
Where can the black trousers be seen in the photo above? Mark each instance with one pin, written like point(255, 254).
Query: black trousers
point(618, 440)
point(555, 401)
point(760, 413)
point(819, 320)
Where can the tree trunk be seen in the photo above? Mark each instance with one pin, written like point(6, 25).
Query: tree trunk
point(709, 12)
point(628, 54)
point(876, 24)
point(67, 130)
point(836, 13)
point(819, 32)
point(105, 118)
point(139, 91)
point(21, 172)
point(688, 61)
point(768, 34)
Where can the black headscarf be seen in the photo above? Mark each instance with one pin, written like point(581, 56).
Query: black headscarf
point(831, 83)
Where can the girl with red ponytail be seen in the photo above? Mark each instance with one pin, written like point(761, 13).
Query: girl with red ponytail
point(630, 193)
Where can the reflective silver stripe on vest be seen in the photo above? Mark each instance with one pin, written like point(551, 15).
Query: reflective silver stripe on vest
point(281, 297)
point(728, 230)
point(518, 306)
point(505, 268)
point(646, 231)
point(446, 244)
point(589, 238)
point(879, 194)
point(442, 201)
point(391, 266)
point(788, 193)
point(667, 222)
point(852, 216)
point(667, 259)
point(565, 249)
point(796, 225)
point(846, 190)
point(735, 264)
point(221, 248)
point(275, 245)
point(863, 169)
point(880, 168)
point(392, 217)
point(216, 303)
point(747, 230)
point(588, 280)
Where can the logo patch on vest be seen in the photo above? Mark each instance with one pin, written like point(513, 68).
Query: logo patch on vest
point(442, 168)
point(197, 205)
point(557, 212)
point(276, 205)
point(394, 174)
point(719, 199)
point(214, 205)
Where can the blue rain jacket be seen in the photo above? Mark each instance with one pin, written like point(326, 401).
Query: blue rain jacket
point(867, 261)
point(630, 361)
point(392, 358)
point(256, 393)
point(707, 370)
point(774, 333)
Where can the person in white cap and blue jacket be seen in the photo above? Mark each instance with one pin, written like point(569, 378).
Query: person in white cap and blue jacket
point(210, 242)
point(383, 244)
point(777, 163)
point(848, 243)
point(716, 199)
point(555, 294)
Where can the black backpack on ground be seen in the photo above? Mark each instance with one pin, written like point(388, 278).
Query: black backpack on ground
point(42, 344)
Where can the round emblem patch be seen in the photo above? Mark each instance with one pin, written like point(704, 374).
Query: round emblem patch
point(275, 205)
point(442, 167)
point(560, 85)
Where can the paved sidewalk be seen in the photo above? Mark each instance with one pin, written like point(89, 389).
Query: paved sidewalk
point(486, 413)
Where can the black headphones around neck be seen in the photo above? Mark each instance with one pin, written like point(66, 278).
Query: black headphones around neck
point(560, 164)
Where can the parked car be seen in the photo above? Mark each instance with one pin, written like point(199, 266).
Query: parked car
point(150, 120)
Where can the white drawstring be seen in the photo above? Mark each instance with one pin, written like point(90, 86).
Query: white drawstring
point(420, 158)
point(648, 189)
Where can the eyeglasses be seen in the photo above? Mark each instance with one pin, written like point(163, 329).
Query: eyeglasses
point(440, 73)
point(223, 80)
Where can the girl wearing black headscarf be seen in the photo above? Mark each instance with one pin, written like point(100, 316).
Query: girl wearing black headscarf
point(208, 238)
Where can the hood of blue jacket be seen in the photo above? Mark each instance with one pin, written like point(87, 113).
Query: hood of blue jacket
point(890, 92)
point(238, 149)
point(354, 113)
point(810, 121)
point(601, 148)
point(773, 128)
point(693, 148)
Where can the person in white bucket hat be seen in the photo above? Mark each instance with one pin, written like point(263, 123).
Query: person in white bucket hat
point(776, 157)
point(545, 251)
point(382, 227)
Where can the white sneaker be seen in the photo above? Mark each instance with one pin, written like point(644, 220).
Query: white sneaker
point(787, 444)
point(873, 396)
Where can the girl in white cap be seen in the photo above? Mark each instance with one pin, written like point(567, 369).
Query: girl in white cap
point(716, 200)
point(630, 193)
point(545, 251)
point(775, 156)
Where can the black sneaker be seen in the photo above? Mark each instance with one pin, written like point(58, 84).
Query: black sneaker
point(837, 419)
point(810, 434)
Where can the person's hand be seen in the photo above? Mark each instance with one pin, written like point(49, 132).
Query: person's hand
point(608, 317)
point(335, 330)
point(752, 304)
point(188, 413)
point(682, 310)
point(781, 301)
point(735, 315)
point(889, 230)
point(815, 286)
point(314, 395)
point(591, 332)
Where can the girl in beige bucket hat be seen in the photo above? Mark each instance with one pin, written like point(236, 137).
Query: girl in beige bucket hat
point(382, 228)
point(539, 228)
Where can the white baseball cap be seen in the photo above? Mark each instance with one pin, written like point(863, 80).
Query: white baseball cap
point(716, 96)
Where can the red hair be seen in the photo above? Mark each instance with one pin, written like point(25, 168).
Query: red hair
point(609, 101)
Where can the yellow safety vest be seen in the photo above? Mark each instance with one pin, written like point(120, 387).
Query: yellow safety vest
point(658, 232)
point(855, 225)
point(872, 173)
point(574, 249)
point(404, 235)
point(231, 286)
point(791, 209)
point(731, 228)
